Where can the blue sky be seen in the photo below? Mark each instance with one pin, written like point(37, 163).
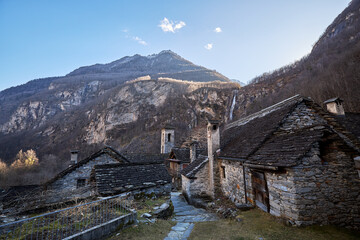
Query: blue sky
point(51, 38)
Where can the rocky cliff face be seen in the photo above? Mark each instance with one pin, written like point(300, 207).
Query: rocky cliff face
point(124, 104)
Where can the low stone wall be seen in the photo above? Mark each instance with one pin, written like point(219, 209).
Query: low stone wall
point(158, 190)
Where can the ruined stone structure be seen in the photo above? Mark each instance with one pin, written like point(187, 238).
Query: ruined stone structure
point(293, 160)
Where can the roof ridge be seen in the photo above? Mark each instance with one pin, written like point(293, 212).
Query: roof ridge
point(263, 112)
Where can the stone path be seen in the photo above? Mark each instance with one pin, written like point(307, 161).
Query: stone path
point(186, 215)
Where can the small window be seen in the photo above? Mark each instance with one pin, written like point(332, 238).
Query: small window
point(214, 127)
point(223, 171)
point(80, 183)
point(169, 137)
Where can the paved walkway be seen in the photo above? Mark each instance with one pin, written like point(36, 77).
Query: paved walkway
point(186, 215)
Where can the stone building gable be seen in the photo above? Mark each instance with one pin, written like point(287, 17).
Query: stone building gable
point(196, 185)
point(302, 116)
point(191, 170)
point(67, 180)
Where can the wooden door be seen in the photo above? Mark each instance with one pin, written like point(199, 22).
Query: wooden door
point(260, 190)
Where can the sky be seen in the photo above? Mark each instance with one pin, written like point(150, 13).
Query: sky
point(241, 39)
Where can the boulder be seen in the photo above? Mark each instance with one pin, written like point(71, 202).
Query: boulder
point(164, 211)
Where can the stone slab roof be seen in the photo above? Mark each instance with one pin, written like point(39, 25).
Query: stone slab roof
point(118, 178)
point(244, 136)
point(146, 158)
point(182, 154)
point(106, 150)
point(286, 150)
point(191, 170)
point(256, 139)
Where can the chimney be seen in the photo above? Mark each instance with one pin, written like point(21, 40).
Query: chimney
point(213, 139)
point(74, 157)
point(193, 147)
point(167, 139)
point(334, 105)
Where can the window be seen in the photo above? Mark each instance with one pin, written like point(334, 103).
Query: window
point(169, 137)
point(80, 183)
point(214, 127)
point(223, 171)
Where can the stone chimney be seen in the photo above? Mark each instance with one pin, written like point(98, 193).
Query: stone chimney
point(213, 139)
point(74, 157)
point(193, 147)
point(335, 106)
point(167, 139)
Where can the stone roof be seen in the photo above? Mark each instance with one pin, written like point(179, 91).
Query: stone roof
point(241, 138)
point(106, 150)
point(285, 150)
point(191, 170)
point(182, 154)
point(118, 178)
point(336, 99)
point(146, 158)
point(256, 139)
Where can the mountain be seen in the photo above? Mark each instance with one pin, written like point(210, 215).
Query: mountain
point(165, 64)
point(123, 104)
point(330, 70)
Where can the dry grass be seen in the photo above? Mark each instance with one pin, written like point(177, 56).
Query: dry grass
point(259, 225)
point(146, 231)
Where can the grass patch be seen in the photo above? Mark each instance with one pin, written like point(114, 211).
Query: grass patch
point(149, 231)
point(147, 205)
point(260, 225)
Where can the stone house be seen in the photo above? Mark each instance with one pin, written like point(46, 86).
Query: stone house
point(179, 159)
point(293, 159)
point(138, 178)
point(75, 180)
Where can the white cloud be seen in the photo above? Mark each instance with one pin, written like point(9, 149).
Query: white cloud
point(125, 30)
point(218, 30)
point(208, 46)
point(139, 40)
point(169, 26)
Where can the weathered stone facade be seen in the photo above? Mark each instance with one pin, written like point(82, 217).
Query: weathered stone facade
point(69, 182)
point(322, 189)
point(196, 187)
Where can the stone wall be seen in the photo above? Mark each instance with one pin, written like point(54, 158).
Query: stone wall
point(301, 117)
point(158, 190)
point(327, 188)
point(233, 184)
point(68, 182)
point(322, 190)
point(193, 188)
